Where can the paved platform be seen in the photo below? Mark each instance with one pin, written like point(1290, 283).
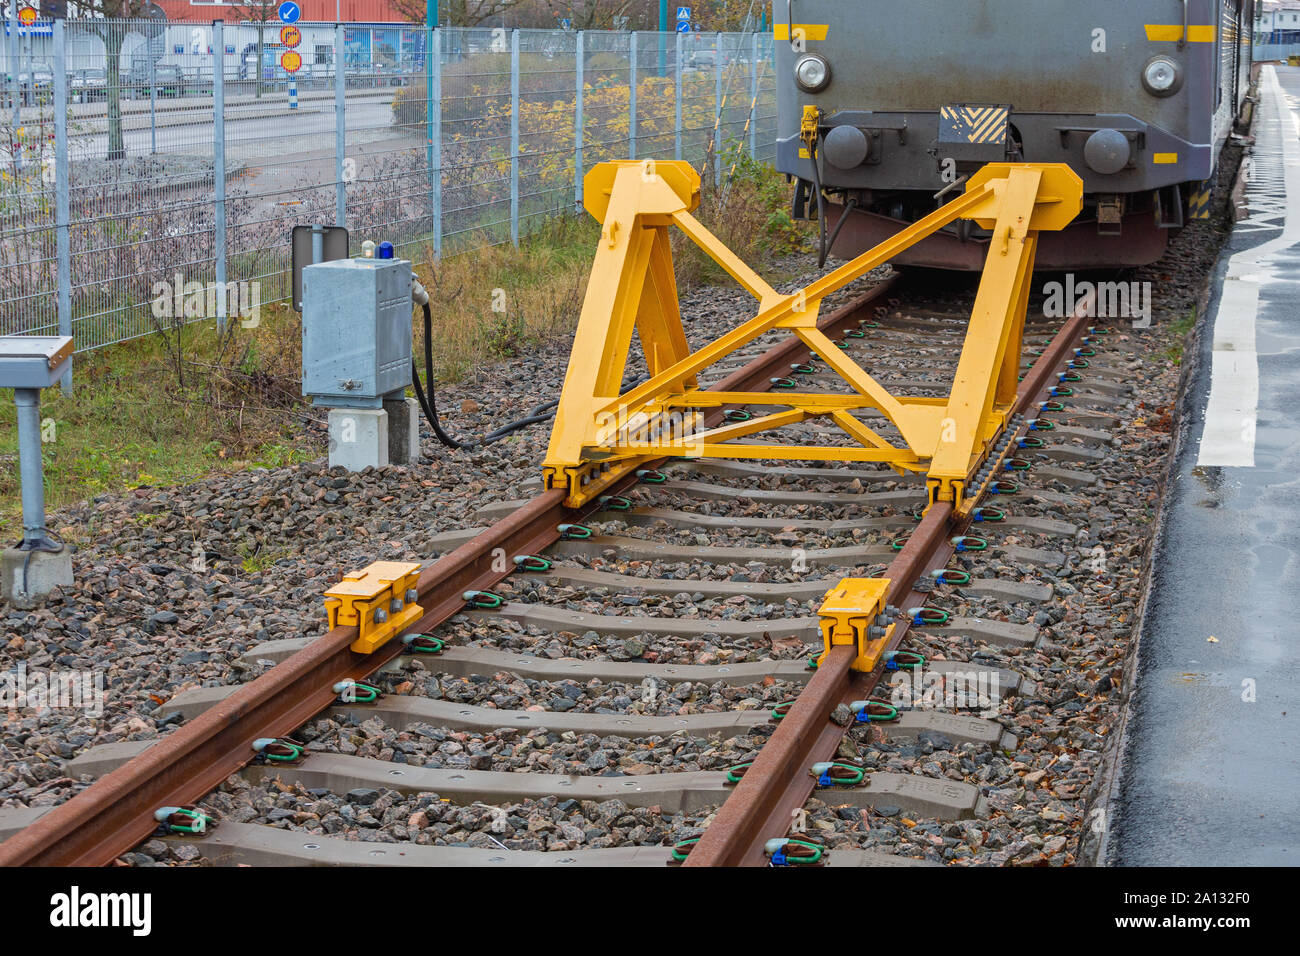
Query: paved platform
point(1211, 767)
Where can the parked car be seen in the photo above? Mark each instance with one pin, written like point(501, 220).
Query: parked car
point(87, 85)
point(168, 80)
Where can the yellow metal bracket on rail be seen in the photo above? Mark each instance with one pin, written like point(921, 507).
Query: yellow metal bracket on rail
point(380, 601)
point(600, 436)
point(853, 613)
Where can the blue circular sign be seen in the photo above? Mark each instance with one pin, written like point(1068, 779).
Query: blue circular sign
point(289, 12)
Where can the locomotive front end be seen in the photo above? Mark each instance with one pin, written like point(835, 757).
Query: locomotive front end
point(887, 106)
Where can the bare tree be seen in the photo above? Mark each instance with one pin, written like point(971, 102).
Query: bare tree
point(593, 14)
point(104, 19)
point(260, 12)
point(457, 13)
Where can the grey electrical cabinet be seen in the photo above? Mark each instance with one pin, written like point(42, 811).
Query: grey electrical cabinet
point(356, 331)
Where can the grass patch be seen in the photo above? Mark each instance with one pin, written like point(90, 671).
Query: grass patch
point(1179, 329)
point(254, 558)
point(137, 418)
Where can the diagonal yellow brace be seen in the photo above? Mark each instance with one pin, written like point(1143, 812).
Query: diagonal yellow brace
point(600, 436)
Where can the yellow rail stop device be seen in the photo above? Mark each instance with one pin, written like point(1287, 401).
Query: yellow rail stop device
point(380, 601)
point(854, 613)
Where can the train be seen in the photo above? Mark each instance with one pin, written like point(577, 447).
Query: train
point(886, 107)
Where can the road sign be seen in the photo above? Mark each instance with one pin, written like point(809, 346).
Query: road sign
point(27, 16)
point(291, 60)
point(290, 36)
point(288, 12)
point(683, 26)
point(683, 13)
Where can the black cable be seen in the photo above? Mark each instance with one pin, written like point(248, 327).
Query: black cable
point(844, 217)
point(821, 204)
point(429, 404)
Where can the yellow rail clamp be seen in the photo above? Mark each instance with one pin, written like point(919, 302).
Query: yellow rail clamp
point(380, 601)
point(600, 437)
point(854, 613)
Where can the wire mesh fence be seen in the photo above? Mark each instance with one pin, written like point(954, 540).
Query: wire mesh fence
point(151, 173)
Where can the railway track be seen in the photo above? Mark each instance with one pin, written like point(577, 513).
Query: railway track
point(718, 570)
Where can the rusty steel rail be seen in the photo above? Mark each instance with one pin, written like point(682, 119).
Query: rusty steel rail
point(116, 812)
point(779, 781)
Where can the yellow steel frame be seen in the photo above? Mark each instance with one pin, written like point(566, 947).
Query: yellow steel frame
point(600, 436)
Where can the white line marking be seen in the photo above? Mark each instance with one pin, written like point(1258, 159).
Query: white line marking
point(1228, 438)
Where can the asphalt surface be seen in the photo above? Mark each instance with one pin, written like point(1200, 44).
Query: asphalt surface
point(1211, 771)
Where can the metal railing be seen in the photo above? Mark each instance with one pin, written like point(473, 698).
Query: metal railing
point(143, 162)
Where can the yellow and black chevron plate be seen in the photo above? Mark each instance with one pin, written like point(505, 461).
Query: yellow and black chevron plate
point(974, 124)
point(1198, 204)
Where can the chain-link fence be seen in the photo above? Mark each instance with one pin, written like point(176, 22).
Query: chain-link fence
point(124, 205)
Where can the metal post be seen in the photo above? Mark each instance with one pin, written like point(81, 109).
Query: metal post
point(17, 157)
point(514, 137)
point(631, 96)
point(432, 158)
point(219, 165)
point(436, 146)
point(63, 284)
point(30, 469)
point(717, 114)
point(677, 86)
point(578, 170)
point(663, 37)
point(753, 100)
point(340, 131)
point(153, 99)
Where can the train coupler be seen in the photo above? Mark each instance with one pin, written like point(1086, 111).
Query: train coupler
point(380, 601)
point(854, 613)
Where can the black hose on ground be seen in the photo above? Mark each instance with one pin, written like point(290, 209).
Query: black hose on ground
point(429, 404)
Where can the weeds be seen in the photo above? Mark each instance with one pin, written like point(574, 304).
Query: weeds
point(1179, 329)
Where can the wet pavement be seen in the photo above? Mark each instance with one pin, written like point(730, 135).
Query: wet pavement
point(1211, 767)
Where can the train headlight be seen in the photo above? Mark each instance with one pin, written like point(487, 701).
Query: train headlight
point(812, 73)
point(1162, 76)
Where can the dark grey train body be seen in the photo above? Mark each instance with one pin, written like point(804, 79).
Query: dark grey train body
point(913, 95)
